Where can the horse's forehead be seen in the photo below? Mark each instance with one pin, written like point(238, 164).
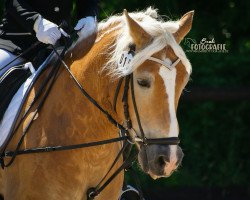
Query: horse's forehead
point(181, 70)
point(151, 66)
point(148, 67)
point(168, 56)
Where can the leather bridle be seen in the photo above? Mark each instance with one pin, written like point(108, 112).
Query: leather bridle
point(134, 136)
point(142, 140)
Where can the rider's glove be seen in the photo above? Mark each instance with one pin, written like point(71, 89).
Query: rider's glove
point(86, 26)
point(46, 31)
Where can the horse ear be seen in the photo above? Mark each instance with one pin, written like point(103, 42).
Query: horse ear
point(139, 35)
point(185, 24)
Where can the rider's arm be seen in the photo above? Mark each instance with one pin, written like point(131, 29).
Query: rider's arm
point(22, 13)
point(46, 31)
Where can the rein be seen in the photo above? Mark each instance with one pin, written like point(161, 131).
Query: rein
point(128, 134)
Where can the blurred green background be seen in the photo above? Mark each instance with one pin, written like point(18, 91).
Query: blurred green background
point(214, 112)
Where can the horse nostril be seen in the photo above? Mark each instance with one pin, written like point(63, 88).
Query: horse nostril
point(162, 160)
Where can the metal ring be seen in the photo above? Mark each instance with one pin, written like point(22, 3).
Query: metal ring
point(92, 194)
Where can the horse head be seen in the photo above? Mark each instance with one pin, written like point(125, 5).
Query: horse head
point(160, 72)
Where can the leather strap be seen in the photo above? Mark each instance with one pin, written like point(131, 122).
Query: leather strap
point(170, 67)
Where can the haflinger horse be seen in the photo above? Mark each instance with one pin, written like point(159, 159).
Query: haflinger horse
point(160, 72)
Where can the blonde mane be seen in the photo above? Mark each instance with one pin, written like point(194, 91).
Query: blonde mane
point(161, 32)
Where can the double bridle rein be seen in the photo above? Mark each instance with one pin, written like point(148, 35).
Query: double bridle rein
point(127, 134)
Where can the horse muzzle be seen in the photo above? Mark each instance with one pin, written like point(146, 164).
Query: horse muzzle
point(160, 160)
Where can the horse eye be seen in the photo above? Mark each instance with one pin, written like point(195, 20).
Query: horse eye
point(143, 83)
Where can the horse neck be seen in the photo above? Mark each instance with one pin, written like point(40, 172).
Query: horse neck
point(68, 112)
point(89, 72)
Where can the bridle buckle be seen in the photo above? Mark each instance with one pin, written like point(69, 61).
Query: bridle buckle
point(133, 138)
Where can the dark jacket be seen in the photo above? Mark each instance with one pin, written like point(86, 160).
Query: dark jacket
point(20, 16)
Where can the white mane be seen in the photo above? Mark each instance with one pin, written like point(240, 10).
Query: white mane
point(150, 21)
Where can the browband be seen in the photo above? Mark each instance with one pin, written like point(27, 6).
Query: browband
point(170, 67)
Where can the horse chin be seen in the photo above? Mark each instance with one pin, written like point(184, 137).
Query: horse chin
point(154, 176)
point(146, 170)
point(152, 173)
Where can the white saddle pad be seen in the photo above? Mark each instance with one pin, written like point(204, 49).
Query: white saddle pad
point(11, 112)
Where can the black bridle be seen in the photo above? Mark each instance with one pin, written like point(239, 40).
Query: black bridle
point(134, 137)
point(143, 140)
point(128, 135)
